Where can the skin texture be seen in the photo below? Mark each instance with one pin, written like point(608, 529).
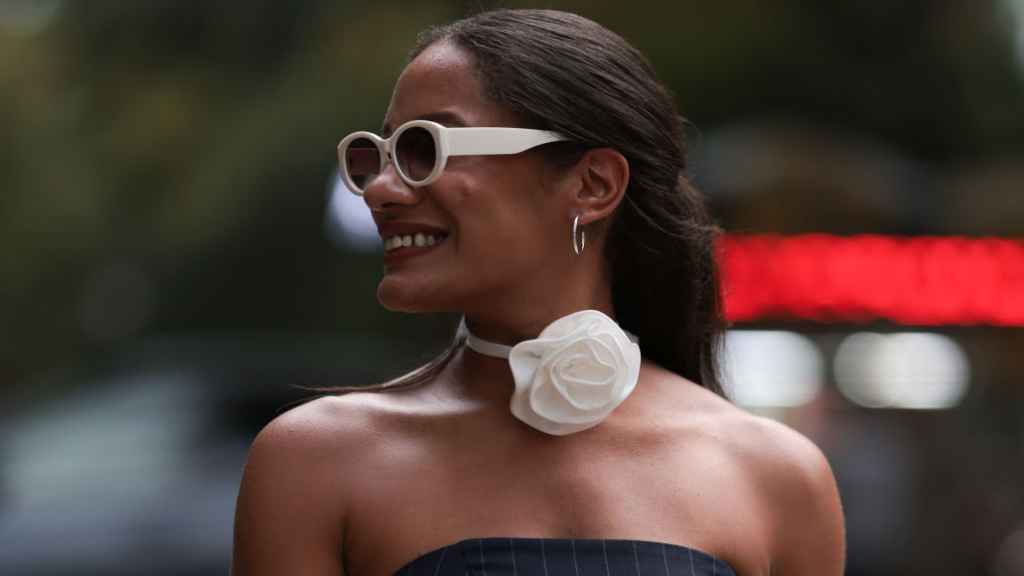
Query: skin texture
point(488, 205)
point(365, 482)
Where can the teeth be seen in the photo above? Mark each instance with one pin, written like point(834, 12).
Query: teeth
point(419, 239)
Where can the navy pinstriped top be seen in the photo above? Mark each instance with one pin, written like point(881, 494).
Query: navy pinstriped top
point(561, 557)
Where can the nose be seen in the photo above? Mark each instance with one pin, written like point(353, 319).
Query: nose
point(388, 189)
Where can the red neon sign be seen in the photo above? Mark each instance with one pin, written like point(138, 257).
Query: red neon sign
point(907, 280)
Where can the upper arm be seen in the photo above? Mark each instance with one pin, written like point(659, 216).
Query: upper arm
point(807, 519)
point(290, 509)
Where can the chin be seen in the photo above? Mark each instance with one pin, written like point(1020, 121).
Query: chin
point(400, 296)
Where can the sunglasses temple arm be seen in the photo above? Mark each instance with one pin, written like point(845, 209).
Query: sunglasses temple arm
point(494, 141)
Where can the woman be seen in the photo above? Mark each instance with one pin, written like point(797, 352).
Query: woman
point(568, 239)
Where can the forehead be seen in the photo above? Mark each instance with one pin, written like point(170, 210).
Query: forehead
point(442, 82)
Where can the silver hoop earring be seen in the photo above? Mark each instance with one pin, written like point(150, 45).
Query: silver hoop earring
point(578, 245)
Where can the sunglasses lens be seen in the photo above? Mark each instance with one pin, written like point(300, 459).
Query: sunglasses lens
point(362, 160)
point(415, 153)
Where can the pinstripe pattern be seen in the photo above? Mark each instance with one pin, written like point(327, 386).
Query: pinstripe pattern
point(437, 569)
point(512, 548)
point(564, 557)
point(483, 561)
point(604, 552)
point(544, 557)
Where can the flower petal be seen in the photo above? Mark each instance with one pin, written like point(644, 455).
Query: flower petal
point(570, 378)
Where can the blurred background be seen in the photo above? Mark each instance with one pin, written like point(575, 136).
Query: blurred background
point(177, 260)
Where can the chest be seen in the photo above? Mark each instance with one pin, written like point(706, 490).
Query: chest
point(424, 496)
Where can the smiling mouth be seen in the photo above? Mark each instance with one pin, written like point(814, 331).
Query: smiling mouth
point(418, 240)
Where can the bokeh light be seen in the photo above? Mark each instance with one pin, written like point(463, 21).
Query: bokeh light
point(912, 370)
point(924, 281)
point(771, 369)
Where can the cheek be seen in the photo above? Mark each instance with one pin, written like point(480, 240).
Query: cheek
point(501, 223)
point(504, 221)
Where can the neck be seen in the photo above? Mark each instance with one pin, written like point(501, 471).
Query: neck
point(521, 312)
point(496, 350)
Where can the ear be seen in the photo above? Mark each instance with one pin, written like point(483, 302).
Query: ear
point(603, 177)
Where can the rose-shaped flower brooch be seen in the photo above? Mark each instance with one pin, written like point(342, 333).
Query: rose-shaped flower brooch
point(571, 377)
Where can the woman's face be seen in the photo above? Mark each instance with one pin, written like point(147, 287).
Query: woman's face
point(500, 230)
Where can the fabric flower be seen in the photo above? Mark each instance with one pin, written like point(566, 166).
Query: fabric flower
point(571, 377)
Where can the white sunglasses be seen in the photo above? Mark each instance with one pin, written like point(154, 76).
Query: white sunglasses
point(420, 150)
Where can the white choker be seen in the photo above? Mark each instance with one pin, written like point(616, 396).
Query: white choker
point(571, 377)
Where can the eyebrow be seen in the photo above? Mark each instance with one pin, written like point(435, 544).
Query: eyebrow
point(444, 118)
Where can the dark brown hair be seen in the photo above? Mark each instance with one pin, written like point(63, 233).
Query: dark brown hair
point(562, 72)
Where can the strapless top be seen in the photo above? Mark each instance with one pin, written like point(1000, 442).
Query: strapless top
point(564, 557)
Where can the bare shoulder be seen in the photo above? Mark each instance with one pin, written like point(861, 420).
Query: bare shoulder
point(781, 458)
point(326, 424)
point(321, 443)
point(798, 498)
point(296, 486)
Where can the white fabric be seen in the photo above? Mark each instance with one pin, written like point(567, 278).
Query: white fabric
point(571, 377)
